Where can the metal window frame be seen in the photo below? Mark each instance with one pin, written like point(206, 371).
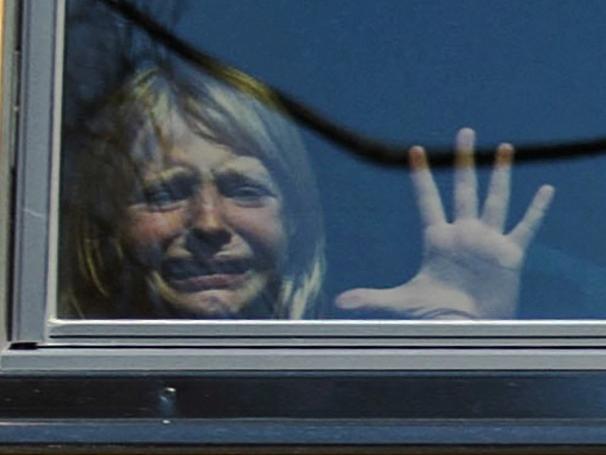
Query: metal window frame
point(302, 344)
point(7, 93)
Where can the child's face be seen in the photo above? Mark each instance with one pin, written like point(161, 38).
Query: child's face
point(207, 224)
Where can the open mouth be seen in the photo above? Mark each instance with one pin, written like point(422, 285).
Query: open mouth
point(192, 276)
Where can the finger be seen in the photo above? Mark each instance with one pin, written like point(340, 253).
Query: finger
point(395, 301)
point(428, 197)
point(497, 200)
point(527, 228)
point(355, 299)
point(390, 299)
point(466, 196)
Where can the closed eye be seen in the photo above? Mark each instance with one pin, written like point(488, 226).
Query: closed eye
point(170, 193)
point(163, 198)
point(245, 190)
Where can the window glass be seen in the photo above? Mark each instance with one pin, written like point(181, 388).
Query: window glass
point(184, 196)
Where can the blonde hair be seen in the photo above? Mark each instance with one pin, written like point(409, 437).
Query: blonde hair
point(97, 279)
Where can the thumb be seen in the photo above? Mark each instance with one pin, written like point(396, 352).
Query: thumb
point(360, 298)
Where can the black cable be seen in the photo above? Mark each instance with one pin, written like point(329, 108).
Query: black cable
point(362, 147)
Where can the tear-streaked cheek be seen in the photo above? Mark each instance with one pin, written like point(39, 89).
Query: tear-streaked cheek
point(263, 230)
point(146, 228)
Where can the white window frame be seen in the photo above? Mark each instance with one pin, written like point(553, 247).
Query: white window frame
point(111, 344)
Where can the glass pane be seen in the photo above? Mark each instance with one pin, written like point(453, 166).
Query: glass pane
point(185, 194)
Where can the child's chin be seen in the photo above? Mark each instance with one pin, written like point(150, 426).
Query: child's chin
point(212, 304)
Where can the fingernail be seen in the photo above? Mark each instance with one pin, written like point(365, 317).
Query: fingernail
point(505, 153)
point(465, 139)
point(547, 191)
point(418, 160)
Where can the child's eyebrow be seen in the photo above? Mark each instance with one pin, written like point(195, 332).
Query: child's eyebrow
point(247, 174)
point(245, 165)
point(167, 175)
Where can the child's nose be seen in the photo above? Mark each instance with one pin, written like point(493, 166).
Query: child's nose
point(208, 218)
